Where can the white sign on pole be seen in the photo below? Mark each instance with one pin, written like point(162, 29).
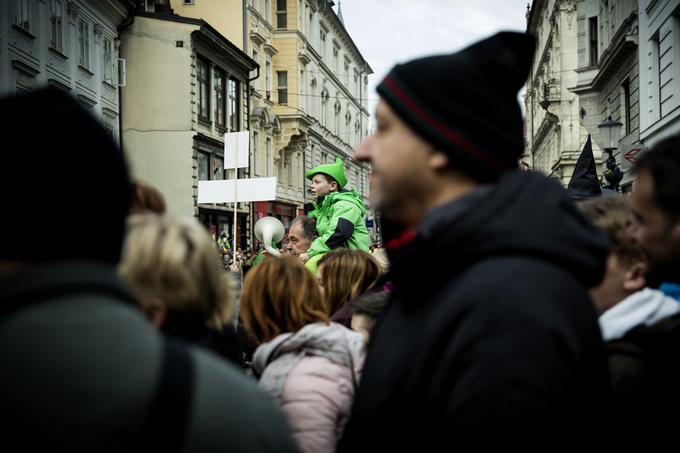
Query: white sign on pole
point(223, 191)
point(236, 144)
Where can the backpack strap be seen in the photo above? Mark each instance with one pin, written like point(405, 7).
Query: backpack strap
point(165, 428)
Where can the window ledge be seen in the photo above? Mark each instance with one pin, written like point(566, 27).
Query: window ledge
point(85, 71)
point(108, 84)
point(57, 53)
point(23, 32)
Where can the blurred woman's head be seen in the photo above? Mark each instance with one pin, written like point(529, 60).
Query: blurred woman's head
point(146, 199)
point(279, 295)
point(344, 275)
point(173, 268)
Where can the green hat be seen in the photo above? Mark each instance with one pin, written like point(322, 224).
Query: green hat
point(335, 171)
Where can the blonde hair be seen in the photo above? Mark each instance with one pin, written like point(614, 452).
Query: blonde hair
point(380, 256)
point(345, 275)
point(280, 295)
point(612, 214)
point(175, 261)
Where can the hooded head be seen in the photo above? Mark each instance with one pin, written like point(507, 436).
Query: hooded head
point(465, 104)
point(334, 170)
point(66, 188)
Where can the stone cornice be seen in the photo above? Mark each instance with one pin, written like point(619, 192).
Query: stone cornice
point(549, 121)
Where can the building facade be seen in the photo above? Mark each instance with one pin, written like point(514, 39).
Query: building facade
point(659, 52)
point(306, 103)
point(608, 74)
point(309, 103)
point(71, 45)
point(186, 86)
point(554, 135)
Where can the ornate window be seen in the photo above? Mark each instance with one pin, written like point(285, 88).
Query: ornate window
point(203, 90)
point(219, 80)
point(56, 28)
point(282, 85)
point(281, 14)
point(84, 44)
point(233, 105)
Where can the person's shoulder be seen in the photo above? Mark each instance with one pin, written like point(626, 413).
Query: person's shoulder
point(318, 376)
point(317, 367)
point(508, 288)
point(232, 411)
point(514, 273)
point(345, 200)
point(213, 375)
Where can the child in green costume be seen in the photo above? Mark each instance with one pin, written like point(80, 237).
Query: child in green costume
point(339, 212)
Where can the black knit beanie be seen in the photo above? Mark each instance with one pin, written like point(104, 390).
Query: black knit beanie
point(65, 187)
point(465, 104)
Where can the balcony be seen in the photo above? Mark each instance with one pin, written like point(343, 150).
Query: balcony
point(303, 55)
point(270, 49)
point(256, 36)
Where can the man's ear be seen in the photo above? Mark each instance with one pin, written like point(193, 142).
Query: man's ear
point(675, 231)
point(438, 160)
point(634, 279)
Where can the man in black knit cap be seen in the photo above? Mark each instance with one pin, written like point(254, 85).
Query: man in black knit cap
point(498, 344)
point(82, 368)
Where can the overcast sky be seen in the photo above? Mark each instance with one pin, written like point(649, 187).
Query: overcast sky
point(393, 31)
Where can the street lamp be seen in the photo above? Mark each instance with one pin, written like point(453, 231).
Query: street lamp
point(610, 131)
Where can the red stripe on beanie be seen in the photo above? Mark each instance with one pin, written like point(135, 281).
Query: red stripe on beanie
point(448, 133)
point(405, 237)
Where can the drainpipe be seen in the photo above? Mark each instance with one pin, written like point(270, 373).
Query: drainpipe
point(128, 21)
point(245, 31)
point(251, 210)
point(361, 130)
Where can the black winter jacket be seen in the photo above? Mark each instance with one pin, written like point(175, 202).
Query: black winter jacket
point(645, 383)
point(496, 343)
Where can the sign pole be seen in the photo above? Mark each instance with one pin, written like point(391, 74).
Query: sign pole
point(235, 198)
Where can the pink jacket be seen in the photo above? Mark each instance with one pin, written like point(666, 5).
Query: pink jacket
point(313, 374)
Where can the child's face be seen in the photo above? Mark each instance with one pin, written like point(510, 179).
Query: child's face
point(321, 186)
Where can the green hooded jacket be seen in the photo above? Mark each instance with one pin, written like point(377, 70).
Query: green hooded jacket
point(340, 223)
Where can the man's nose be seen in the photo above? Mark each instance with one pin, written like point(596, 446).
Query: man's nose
point(364, 151)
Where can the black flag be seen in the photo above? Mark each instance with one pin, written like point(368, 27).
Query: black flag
point(584, 182)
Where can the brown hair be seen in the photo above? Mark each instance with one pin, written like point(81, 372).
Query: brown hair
point(146, 199)
point(346, 274)
point(280, 295)
point(612, 214)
